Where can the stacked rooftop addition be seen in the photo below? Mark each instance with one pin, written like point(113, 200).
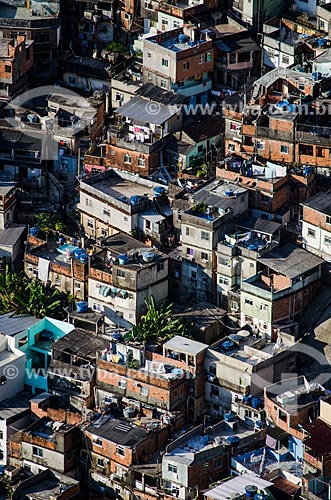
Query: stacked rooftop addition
point(187, 60)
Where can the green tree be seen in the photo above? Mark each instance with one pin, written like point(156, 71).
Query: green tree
point(47, 222)
point(39, 301)
point(158, 324)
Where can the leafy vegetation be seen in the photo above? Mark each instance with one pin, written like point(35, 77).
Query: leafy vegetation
point(200, 208)
point(117, 47)
point(158, 324)
point(47, 222)
point(21, 295)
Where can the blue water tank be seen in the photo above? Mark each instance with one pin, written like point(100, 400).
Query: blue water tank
point(228, 345)
point(247, 398)
point(135, 200)
point(158, 191)
point(251, 490)
point(308, 171)
point(183, 38)
point(123, 259)
point(230, 192)
point(256, 403)
point(228, 417)
point(78, 253)
point(83, 258)
point(34, 231)
point(321, 42)
point(233, 440)
point(252, 247)
point(259, 424)
point(82, 306)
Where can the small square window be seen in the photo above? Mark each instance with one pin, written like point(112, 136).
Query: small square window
point(165, 62)
point(284, 149)
point(328, 219)
point(311, 232)
point(204, 256)
point(120, 273)
point(204, 235)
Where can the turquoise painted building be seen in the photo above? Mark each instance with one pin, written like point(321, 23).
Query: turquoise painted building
point(36, 342)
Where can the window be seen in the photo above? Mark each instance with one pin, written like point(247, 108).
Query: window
point(301, 86)
point(282, 415)
point(119, 96)
point(106, 213)
point(322, 24)
point(218, 463)
point(244, 57)
point(259, 145)
point(98, 442)
point(163, 84)
point(37, 452)
point(263, 307)
point(204, 256)
point(100, 462)
point(160, 267)
point(232, 58)
point(319, 152)
point(164, 21)
point(1, 435)
point(77, 286)
point(187, 231)
point(90, 224)
point(120, 451)
point(149, 54)
point(72, 80)
point(251, 265)
point(223, 281)
point(231, 147)
point(327, 240)
point(165, 62)
point(311, 232)
point(144, 391)
point(176, 24)
point(122, 384)
point(127, 158)
point(193, 275)
point(120, 273)
point(264, 198)
point(249, 302)
point(104, 232)
point(186, 65)
point(204, 235)
point(141, 162)
point(41, 37)
point(328, 219)
point(248, 413)
point(172, 468)
point(125, 219)
point(214, 390)
point(7, 68)
point(285, 60)
point(190, 251)
point(284, 149)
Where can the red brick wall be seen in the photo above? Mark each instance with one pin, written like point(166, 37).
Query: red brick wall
point(316, 218)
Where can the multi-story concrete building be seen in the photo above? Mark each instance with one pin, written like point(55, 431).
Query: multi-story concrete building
point(293, 403)
point(255, 12)
point(140, 129)
point(49, 261)
point(238, 255)
point(187, 61)
point(282, 291)
point(40, 22)
point(111, 446)
point(16, 64)
point(239, 369)
point(119, 201)
point(72, 368)
point(123, 275)
point(46, 443)
point(316, 225)
point(213, 207)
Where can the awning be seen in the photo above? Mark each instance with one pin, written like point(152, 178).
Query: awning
point(152, 216)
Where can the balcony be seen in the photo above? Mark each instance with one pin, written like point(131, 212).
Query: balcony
point(311, 460)
point(321, 136)
point(278, 135)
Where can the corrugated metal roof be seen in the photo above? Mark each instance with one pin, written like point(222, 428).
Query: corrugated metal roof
point(10, 235)
point(146, 111)
point(11, 325)
point(237, 486)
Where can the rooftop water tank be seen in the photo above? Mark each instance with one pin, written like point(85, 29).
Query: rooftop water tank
point(82, 306)
point(129, 412)
point(158, 191)
point(78, 253)
point(148, 257)
point(32, 118)
point(256, 403)
point(135, 200)
point(259, 424)
point(233, 440)
point(34, 231)
point(261, 495)
point(83, 258)
point(251, 490)
point(183, 38)
point(228, 345)
point(230, 192)
point(228, 417)
point(123, 259)
point(321, 42)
